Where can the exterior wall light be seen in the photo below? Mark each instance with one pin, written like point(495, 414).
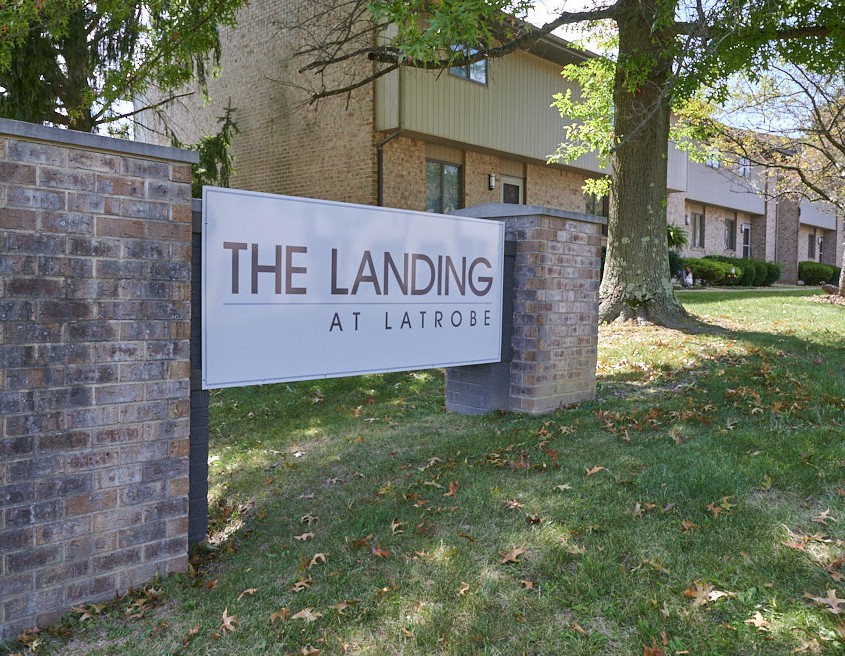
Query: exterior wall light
point(491, 181)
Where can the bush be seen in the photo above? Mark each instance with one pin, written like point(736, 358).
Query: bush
point(749, 272)
point(815, 273)
point(837, 271)
point(676, 263)
point(707, 270)
point(773, 271)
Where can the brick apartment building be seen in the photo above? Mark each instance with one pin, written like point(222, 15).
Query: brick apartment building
point(438, 141)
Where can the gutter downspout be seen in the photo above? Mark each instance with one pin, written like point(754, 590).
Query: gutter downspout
point(381, 144)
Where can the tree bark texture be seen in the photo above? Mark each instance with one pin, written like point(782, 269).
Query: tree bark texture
point(636, 283)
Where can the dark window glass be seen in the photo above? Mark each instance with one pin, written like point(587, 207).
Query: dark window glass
point(730, 234)
point(597, 205)
point(510, 193)
point(698, 230)
point(811, 246)
point(476, 71)
point(442, 187)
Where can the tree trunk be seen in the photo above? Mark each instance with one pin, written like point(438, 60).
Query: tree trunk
point(842, 277)
point(636, 283)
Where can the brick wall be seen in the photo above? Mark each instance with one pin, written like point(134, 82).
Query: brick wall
point(403, 185)
point(286, 145)
point(547, 186)
point(787, 239)
point(555, 316)
point(94, 389)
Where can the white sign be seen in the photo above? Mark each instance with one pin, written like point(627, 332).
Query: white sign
point(297, 289)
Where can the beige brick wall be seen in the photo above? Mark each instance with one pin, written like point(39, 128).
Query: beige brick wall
point(548, 186)
point(788, 240)
point(94, 392)
point(404, 174)
point(478, 167)
point(286, 144)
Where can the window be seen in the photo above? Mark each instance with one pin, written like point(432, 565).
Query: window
point(730, 234)
point(442, 187)
point(596, 205)
point(744, 167)
point(513, 190)
point(698, 230)
point(474, 72)
point(712, 160)
point(811, 246)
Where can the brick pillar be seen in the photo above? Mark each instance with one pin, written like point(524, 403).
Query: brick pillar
point(94, 390)
point(555, 315)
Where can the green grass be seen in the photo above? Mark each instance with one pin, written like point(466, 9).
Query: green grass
point(717, 448)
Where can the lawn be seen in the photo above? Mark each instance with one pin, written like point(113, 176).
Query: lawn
point(696, 507)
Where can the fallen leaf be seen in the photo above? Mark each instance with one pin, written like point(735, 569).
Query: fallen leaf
point(209, 585)
point(317, 559)
point(562, 487)
point(528, 585)
point(465, 587)
point(511, 556)
point(228, 623)
point(307, 614)
point(281, 614)
point(511, 504)
point(759, 621)
point(394, 527)
point(577, 628)
point(406, 633)
point(686, 526)
point(248, 591)
point(453, 490)
point(594, 470)
point(703, 594)
point(343, 605)
point(301, 584)
point(831, 601)
point(308, 519)
point(379, 552)
point(303, 537)
point(309, 651)
point(190, 635)
point(824, 518)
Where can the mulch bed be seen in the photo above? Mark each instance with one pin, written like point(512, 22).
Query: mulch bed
point(833, 299)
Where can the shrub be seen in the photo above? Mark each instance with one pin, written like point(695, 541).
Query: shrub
point(837, 271)
point(676, 263)
point(758, 273)
point(773, 271)
point(707, 270)
point(814, 273)
point(750, 272)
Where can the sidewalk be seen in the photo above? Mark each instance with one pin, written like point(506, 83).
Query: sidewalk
point(779, 288)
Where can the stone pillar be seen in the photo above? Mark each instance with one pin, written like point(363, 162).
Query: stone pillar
point(555, 316)
point(95, 248)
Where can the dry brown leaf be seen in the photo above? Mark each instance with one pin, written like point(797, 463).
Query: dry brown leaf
point(303, 537)
point(301, 584)
point(248, 591)
point(465, 587)
point(577, 628)
point(686, 526)
point(525, 583)
point(309, 651)
point(281, 614)
point(705, 593)
point(511, 504)
point(379, 552)
point(453, 490)
point(307, 614)
point(211, 584)
point(394, 527)
point(511, 556)
point(317, 559)
point(824, 518)
point(831, 601)
point(406, 633)
point(190, 635)
point(343, 605)
point(228, 623)
point(759, 621)
point(594, 470)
